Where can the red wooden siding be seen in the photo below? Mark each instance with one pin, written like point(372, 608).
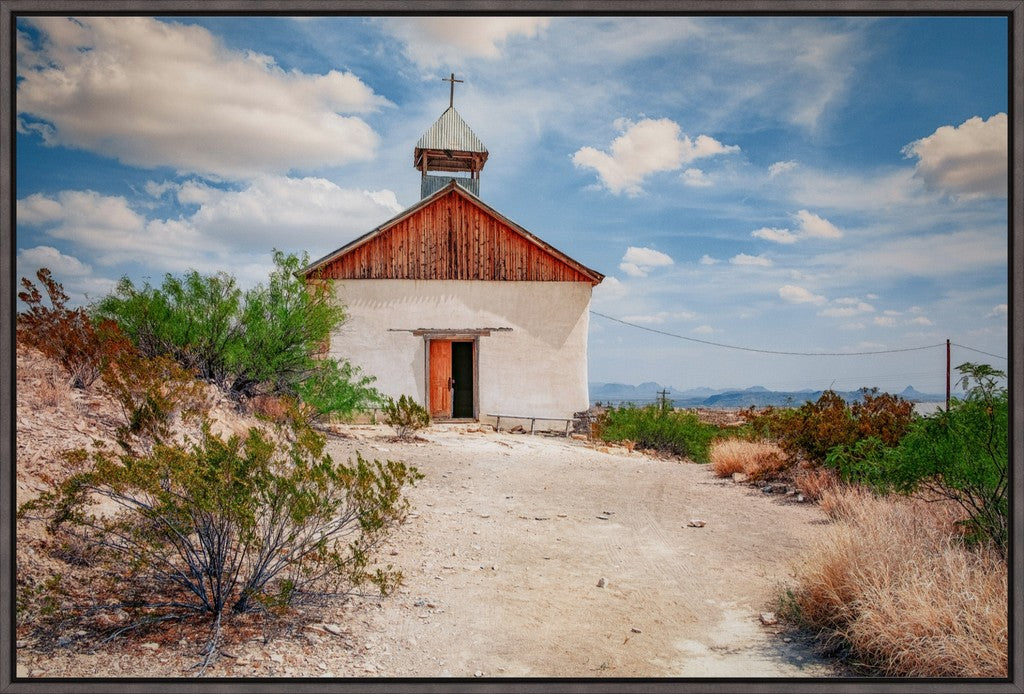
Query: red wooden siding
point(451, 239)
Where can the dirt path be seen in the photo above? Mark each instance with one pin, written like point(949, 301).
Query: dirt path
point(511, 535)
point(502, 555)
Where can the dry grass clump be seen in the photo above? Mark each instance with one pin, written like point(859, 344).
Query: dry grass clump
point(756, 459)
point(893, 582)
point(814, 482)
point(53, 390)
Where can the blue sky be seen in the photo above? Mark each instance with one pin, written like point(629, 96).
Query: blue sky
point(795, 184)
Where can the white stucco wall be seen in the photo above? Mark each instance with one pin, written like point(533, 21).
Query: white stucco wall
point(538, 368)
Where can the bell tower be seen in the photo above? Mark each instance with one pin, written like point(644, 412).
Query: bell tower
point(449, 146)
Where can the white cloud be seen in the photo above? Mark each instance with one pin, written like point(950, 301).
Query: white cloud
point(152, 93)
point(695, 178)
point(998, 311)
point(610, 288)
point(847, 309)
point(776, 235)
point(708, 260)
point(928, 255)
point(76, 277)
point(315, 212)
point(920, 320)
point(851, 326)
point(228, 226)
point(660, 317)
point(703, 330)
point(49, 257)
point(965, 161)
point(811, 224)
point(880, 189)
point(93, 221)
point(884, 321)
point(780, 167)
point(638, 262)
point(799, 295)
point(442, 41)
point(644, 148)
point(756, 260)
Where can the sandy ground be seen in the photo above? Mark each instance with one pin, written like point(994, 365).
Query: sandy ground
point(507, 541)
point(508, 538)
point(514, 533)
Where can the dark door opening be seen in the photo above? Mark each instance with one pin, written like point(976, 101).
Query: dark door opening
point(462, 374)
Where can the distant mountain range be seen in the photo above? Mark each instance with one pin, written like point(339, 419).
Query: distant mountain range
point(647, 393)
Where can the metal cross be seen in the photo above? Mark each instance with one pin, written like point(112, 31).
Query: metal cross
point(451, 95)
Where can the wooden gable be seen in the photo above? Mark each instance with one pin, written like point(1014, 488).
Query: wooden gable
point(451, 235)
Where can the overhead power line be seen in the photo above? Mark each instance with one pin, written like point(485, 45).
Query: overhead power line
point(773, 351)
point(977, 350)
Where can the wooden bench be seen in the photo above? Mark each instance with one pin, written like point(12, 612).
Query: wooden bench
point(533, 421)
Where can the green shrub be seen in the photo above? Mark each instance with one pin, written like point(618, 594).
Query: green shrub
point(677, 433)
point(232, 525)
point(338, 389)
point(406, 416)
point(961, 454)
point(150, 391)
point(192, 319)
point(268, 340)
point(265, 338)
point(284, 326)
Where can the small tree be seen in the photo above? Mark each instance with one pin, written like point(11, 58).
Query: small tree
point(406, 416)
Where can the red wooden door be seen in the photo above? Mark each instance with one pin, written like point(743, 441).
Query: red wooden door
point(440, 378)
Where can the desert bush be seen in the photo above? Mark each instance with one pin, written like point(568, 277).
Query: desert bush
point(285, 326)
point(892, 584)
point(815, 429)
point(66, 335)
point(960, 455)
point(233, 525)
point(756, 459)
point(265, 340)
point(151, 392)
point(881, 416)
point(405, 415)
point(192, 319)
point(273, 408)
point(340, 390)
point(677, 433)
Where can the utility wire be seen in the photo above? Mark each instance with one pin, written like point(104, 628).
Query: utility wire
point(976, 350)
point(772, 351)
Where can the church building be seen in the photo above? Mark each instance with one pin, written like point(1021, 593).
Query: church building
point(456, 305)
